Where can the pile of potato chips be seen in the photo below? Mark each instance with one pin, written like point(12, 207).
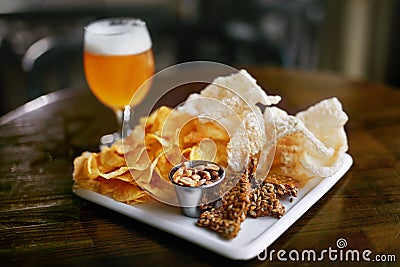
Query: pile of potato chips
point(220, 125)
point(161, 140)
point(106, 173)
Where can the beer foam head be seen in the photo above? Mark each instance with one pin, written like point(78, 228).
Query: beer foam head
point(117, 37)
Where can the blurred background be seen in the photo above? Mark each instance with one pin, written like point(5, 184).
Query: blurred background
point(41, 40)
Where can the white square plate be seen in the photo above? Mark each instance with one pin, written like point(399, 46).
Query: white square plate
point(255, 234)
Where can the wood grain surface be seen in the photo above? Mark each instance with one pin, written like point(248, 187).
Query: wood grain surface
point(42, 223)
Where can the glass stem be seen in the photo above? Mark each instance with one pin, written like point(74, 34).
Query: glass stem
point(124, 118)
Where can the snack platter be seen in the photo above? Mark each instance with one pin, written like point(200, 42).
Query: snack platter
point(255, 234)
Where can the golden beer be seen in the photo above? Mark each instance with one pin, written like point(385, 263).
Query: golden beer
point(118, 59)
point(115, 79)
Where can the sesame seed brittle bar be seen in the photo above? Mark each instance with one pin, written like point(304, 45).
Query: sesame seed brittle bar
point(242, 200)
point(265, 198)
point(226, 219)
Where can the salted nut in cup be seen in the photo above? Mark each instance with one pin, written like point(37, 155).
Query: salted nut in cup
point(196, 173)
point(193, 181)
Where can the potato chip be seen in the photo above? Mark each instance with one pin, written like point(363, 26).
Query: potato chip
point(127, 176)
point(154, 123)
point(85, 167)
point(212, 130)
point(109, 160)
point(206, 150)
point(132, 156)
point(205, 140)
point(222, 154)
point(144, 161)
point(146, 175)
point(122, 191)
point(118, 147)
point(154, 144)
point(164, 165)
point(114, 174)
point(88, 184)
point(186, 153)
point(96, 172)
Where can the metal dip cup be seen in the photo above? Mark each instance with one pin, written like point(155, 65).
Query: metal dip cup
point(191, 197)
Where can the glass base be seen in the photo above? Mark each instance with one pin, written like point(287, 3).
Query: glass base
point(109, 139)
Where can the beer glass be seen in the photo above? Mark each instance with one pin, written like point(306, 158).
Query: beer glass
point(118, 58)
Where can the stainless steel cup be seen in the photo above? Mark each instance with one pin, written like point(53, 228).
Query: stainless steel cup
point(190, 198)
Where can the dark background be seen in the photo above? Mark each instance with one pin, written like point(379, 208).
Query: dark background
point(41, 41)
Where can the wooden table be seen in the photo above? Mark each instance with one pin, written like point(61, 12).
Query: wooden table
point(42, 223)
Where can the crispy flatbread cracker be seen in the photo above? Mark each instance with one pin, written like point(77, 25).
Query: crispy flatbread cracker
point(313, 142)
